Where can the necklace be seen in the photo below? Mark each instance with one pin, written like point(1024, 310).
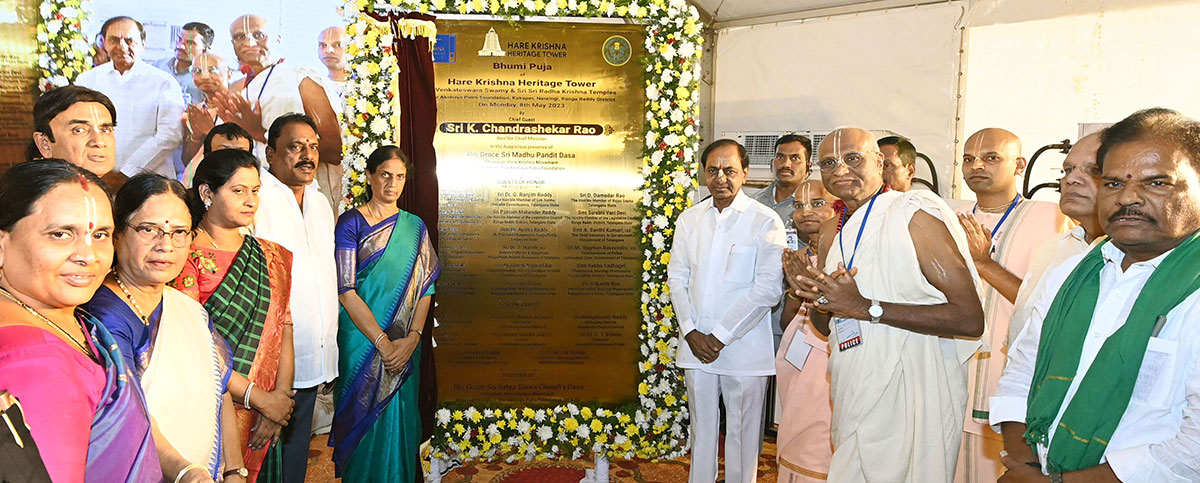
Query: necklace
point(79, 345)
point(377, 217)
point(136, 308)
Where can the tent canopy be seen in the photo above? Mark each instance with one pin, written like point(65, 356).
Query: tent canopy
point(734, 13)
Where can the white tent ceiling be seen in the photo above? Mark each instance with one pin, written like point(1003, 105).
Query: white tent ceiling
point(732, 13)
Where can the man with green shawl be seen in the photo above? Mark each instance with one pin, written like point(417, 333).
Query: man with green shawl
point(1103, 383)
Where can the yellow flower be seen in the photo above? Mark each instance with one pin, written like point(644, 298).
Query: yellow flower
point(494, 6)
point(457, 416)
point(495, 438)
point(643, 389)
point(596, 426)
point(476, 417)
point(586, 413)
point(646, 265)
point(458, 428)
point(670, 399)
point(601, 438)
point(666, 256)
point(528, 412)
point(631, 430)
point(570, 424)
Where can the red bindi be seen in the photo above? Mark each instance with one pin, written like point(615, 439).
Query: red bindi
point(83, 182)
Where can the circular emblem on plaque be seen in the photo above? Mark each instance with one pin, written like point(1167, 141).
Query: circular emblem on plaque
point(617, 51)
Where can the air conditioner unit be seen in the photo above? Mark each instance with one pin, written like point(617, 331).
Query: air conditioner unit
point(760, 146)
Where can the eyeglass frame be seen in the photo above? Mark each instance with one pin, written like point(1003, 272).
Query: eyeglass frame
point(159, 233)
point(842, 160)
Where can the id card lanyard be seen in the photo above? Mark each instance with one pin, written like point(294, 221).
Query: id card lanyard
point(849, 334)
point(996, 230)
point(857, 239)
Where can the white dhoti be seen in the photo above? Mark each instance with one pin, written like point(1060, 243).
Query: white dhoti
point(899, 397)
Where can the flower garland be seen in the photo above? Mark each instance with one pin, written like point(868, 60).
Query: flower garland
point(654, 427)
point(63, 51)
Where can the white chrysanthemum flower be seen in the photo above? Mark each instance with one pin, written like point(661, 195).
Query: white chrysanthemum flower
point(443, 416)
point(676, 115)
point(552, 8)
point(656, 158)
point(688, 131)
point(657, 241)
point(652, 93)
point(379, 125)
point(671, 139)
point(523, 427)
point(544, 433)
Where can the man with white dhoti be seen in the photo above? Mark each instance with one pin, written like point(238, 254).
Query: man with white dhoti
point(724, 278)
point(901, 326)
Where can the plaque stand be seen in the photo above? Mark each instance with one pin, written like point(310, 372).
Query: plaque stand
point(600, 473)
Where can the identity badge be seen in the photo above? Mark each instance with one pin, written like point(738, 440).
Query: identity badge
point(848, 333)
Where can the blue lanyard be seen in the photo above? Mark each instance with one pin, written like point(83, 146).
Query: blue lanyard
point(860, 233)
point(996, 230)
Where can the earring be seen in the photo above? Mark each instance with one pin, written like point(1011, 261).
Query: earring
point(207, 204)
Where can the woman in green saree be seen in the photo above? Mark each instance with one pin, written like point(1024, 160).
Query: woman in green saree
point(386, 269)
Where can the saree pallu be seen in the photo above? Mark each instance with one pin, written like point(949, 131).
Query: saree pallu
point(221, 281)
point(185, 379)
point(376, 430)
point(89, 420)
point(182, 366)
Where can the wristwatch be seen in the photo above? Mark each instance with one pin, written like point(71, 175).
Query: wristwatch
point(242, 472)
point(876, 311)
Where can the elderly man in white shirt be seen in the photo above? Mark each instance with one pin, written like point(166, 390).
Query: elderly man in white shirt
point(1103, 383)
point(293, 213)
point(149, 100)
point(724, 278)
point(1077, 199)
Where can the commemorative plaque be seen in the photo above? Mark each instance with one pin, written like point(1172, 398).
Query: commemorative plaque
point(540, 134)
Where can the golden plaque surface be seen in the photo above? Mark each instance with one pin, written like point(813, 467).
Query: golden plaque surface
point(18, 78)
point(539, 142)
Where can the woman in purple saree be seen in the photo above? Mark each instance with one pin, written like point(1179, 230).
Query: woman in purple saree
point(82, 403)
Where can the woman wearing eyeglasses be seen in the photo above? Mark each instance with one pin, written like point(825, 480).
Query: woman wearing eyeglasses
point(165, 336)
point(245, 285)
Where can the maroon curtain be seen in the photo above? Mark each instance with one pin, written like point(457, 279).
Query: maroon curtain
point(418, 121)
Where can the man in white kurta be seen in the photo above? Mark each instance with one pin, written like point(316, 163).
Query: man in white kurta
point(293, 213)
point(1147, 206)
point(724, 277)
point(1077, 199)
point(901, 327)
point(149, 101)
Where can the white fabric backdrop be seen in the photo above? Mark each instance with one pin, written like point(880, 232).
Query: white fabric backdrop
point(882, 70)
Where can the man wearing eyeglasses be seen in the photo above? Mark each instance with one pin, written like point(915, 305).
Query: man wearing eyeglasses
point(1004, 230)
point(724, 278)
point(272, 88)
point(194, 40)
point(901, 326)
point(149, 100)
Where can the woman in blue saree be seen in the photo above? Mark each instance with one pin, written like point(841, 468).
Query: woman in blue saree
point(166, 337)
point(80, 399)
point(386, 269)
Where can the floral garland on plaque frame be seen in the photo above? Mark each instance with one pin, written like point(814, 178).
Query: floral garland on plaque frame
point(63, 51)
point(655, 426)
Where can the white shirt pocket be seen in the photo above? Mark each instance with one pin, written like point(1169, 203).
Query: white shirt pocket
point(1155, 376)
point(739, 267)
